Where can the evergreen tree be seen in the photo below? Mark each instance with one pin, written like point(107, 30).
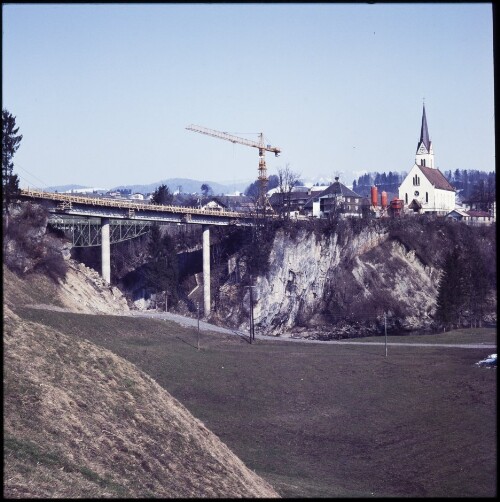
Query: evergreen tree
point(10, 143)
point(465, 181)
point(252, 190)
point(476, 284)
point(206, 190)
point(162, 270)
point(450, 290)
point(162, 196)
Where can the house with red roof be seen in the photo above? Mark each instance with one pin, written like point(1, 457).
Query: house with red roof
point(425, 189)
point(472, 216)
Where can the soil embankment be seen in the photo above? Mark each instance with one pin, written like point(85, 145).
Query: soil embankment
point(79, 421)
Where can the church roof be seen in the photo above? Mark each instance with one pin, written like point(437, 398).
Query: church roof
point(436, 177)
point(424, 132)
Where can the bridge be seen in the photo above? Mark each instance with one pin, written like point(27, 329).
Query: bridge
point(94, 221)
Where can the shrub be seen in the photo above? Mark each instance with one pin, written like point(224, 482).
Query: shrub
point(28, 247)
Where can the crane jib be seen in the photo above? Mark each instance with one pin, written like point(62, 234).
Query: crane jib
point(262, 177)
point(233, 139)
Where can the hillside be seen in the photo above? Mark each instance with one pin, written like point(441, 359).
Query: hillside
point(80, 421)
point(188, 186)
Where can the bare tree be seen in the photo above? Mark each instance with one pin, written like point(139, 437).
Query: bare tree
point(287, 179)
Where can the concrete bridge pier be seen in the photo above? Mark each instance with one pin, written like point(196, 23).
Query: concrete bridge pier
point(105, 250)
point(206, 270)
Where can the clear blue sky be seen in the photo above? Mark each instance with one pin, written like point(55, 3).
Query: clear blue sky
point(102, 93)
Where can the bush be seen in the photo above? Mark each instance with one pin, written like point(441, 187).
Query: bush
point(27, 246)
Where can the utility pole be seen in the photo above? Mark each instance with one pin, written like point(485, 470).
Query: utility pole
point(252, 325)
point(385, 329)
point(252, 330)
point(198, 310)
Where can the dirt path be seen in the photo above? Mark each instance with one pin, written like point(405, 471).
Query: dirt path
point(205, 326)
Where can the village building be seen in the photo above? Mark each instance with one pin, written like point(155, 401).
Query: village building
point(237, 203)
point(137, 196)
point(337, 198)
point(293, 202)
point(472, 216)
point(425, 189)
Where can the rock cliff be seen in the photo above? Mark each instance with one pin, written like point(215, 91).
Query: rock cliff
point(320, 285)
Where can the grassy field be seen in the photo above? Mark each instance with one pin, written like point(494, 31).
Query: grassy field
point(457, 336)
point(324, 420)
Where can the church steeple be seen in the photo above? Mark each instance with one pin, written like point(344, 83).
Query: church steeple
point(424, 133)
point(425, 155)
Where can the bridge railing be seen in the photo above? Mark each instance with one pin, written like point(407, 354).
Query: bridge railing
point(94, 201)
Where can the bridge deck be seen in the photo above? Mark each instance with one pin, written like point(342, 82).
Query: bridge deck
point(67, 200)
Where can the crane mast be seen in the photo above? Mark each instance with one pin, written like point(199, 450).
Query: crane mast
point(263, 179)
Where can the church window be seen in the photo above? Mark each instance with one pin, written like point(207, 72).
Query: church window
point(406, 198)
point(423, 162)
point(416, 180)
point(426, 196)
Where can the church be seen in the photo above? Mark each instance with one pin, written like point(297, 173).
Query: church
point(425, 189)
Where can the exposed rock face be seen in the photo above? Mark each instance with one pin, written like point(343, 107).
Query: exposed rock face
point(363, 272)
point(85, 291)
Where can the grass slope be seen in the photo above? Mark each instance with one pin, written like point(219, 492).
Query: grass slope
point(323, 420)
point(80, 421)
point(319, 420)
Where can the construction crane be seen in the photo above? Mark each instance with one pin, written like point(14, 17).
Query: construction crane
point(263, 179)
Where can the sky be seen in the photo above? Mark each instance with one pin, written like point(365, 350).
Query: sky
point(103, 93)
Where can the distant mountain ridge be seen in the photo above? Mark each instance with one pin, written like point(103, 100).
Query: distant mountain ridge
point(187, 186)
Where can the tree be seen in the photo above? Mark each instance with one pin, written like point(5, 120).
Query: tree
point(162, 196)
point(450, 296)
point(476, 283)
point(10, 143)
point(206, 190)
point(465, 182)
point(479, 195)
point(287, 179)
point(162, 270)
point(252, 190)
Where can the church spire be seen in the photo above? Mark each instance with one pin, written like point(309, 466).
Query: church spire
point(424, 133)
point(425, 154)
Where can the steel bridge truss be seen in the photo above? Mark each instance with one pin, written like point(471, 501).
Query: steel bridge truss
point(86, 232)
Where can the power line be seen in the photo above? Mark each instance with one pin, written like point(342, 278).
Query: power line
point(30, 174)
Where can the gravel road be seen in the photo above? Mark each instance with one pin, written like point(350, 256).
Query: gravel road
point(205, 326)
